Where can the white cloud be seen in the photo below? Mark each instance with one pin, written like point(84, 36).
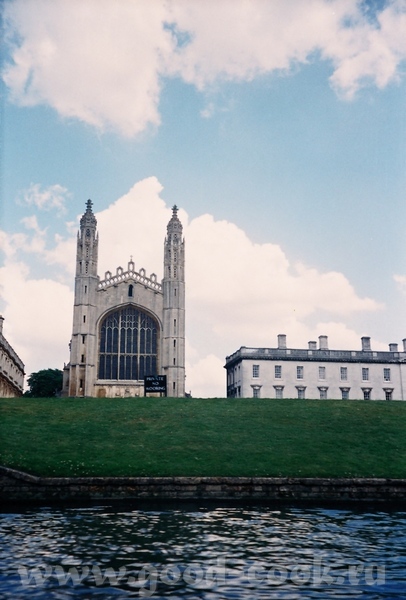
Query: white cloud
point(341, 337)
point(370, 54)
point(103, 62)
point(96, 60)
point(32, 223)
point(15, 243)
point(401, 282)
point(52, 197)
point(57, 251)
point(238, 292)
point(206, 377)
point(208, 111)
point(37, 317)
point(10, 243)
point(135, 226)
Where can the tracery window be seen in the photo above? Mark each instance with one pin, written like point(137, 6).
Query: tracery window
point(128, 345)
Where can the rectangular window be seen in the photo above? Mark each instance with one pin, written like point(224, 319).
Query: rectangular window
point(256, 392)
point(345, 394)
point(84, 318)
point(323, 393)
point(278, 371)
point(301, 393)
point(299, 372)
point(322, 372)
point(367, 394)
point(365, 374)
point(255, 370)
point(83, 339)
point(343, 373)
point(82, 358)
point(388, 394)
point(279, 392)
point(386, 374)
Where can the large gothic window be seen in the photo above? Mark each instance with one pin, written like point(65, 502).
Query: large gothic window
point(128, 345)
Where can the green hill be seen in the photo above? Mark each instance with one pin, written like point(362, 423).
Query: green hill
point(203, 437)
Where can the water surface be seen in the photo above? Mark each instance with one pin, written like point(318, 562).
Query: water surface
point(202, 552)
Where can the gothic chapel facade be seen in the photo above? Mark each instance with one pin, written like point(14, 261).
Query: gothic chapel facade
point(127, 325)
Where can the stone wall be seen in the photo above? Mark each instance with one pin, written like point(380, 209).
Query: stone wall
point(18, 487)
point(11, 369)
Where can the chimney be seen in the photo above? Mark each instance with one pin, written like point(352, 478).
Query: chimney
point(312, 345)
point(393, 347)
point(281, 341)
point(323, 342)
point(1, 324)
point(366, 344)
point(404, 344)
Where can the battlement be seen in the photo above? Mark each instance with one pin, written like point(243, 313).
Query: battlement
point(130, 275)
point(7, 349)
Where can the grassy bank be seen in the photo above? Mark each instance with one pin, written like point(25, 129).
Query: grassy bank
point(213, 437)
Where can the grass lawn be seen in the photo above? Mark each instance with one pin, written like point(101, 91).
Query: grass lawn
point(203, 437)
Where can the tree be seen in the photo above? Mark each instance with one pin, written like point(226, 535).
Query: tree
point(44, 384)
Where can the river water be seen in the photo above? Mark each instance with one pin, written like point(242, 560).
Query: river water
point(202, 552)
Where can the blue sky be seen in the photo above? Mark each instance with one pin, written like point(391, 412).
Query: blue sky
point(284, 146)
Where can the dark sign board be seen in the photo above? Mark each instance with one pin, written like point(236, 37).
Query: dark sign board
point(155, 383)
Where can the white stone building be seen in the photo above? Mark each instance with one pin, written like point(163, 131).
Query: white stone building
point(127, 325)
point(11, 369)
point(317, 372)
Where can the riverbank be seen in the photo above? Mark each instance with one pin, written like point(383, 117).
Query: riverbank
point(21, 488)
point(200, 438)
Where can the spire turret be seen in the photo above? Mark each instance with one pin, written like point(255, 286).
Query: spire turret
point(174, 307)
point(174, 228)
point(83, 341)
point(88, 219)
point(87, 248)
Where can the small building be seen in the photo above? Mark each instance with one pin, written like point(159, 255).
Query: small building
point(317, 372)
point(126, 325)
point(11, 369)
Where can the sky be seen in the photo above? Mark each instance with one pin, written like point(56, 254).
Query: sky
point(278, 127)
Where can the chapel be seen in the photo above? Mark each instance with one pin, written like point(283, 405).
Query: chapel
point(127, 325)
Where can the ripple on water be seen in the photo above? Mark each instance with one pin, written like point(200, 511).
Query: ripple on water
point(210, 554)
